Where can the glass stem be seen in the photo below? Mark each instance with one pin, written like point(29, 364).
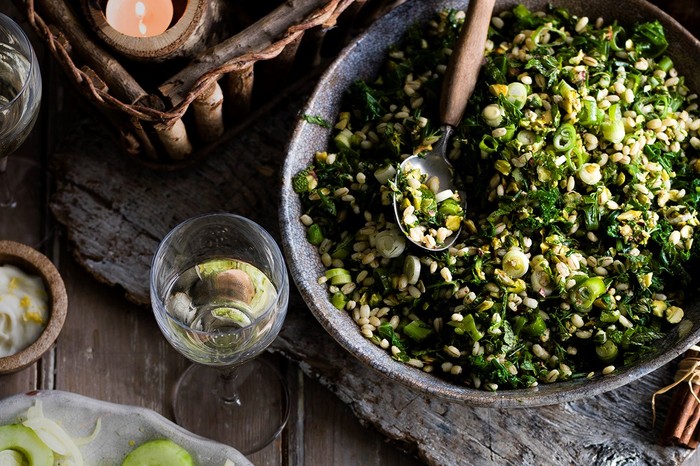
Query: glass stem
point(6, 197)
point(229, 386)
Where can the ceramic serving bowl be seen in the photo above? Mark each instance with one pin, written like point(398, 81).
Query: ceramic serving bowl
point(34, 263)
point(361, 60)
point(122, 427)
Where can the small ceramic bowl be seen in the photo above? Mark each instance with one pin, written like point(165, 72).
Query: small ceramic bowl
point(32, 262)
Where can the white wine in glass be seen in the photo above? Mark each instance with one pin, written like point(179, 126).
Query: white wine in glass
point(20, 97)
point(219, 292)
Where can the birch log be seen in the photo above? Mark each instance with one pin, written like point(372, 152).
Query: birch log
point(238, 92)
point(208, 113)
point(248, 45)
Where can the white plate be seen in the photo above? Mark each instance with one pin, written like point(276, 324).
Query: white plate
point(123, 428)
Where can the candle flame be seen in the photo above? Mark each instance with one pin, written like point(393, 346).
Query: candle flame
point(140, 9)
point(139, 18)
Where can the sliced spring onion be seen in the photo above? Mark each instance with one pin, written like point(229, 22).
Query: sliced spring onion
point(564, 137)
point(493, 115)
point(665, 63)
point(343, 140)
point(339, 300)
point(535, 328)
point(571, 99)
point(614, 127)
point(542, 282)
point(610, 317)
point(633, 81)
point(526, 137)
point(590, 173)
point(538, 37)
point(314, 235)
point(390, 243)
point(338, 276)
point(590, 115)
point(384, 174)
point(411, 268)
point(451, 206)
point(444, 195)
point(505, 133)
point(517, 94)
point(488, 144)
point(606, 352)
point(590, 289)
point(614, 131)
point(515, 263)
point(468, 326)
point(417, 330)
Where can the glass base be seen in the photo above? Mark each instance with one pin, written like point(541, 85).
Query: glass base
point(24, 215)
point(247, 410)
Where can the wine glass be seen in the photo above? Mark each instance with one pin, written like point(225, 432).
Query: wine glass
point(20, 96)
point(219, 291)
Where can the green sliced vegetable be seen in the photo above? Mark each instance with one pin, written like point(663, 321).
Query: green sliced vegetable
point(161, 452)
point(25, 441)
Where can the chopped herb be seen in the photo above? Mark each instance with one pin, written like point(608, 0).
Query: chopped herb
point(316, 120)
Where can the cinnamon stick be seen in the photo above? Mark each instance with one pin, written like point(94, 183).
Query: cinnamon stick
point(691, 424)
point(681, 424)
point(695, 440)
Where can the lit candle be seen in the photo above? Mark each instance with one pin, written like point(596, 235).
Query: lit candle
point(139, 18)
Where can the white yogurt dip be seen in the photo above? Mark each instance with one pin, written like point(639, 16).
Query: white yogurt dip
point(24, 309)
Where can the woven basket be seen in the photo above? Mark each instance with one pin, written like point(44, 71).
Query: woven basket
point(171, 112)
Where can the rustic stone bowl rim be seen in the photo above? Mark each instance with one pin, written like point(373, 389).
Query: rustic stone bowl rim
point(304, 263)
point(33, 262)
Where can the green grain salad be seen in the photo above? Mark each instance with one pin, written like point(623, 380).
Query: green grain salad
point(579, 158)
point(428, 214)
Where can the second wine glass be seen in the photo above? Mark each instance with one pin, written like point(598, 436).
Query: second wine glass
point(20, 97)
point(219, 292)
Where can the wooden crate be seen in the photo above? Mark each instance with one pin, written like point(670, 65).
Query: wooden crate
point(173, 107)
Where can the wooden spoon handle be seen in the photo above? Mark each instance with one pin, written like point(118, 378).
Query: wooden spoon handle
point(465, 61)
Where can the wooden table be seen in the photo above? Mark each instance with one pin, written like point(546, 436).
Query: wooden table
point(112, 350)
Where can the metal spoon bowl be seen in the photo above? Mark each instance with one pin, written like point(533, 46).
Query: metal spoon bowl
point(458, 85)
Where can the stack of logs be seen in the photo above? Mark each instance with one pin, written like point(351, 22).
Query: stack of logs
point(171, 120)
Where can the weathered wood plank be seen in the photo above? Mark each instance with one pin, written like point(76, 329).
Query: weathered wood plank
point(115, 213)
point(612, 428)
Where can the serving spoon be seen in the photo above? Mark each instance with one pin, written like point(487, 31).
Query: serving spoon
point(458, 85)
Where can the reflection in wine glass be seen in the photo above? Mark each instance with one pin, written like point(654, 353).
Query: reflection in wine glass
point(20, 96)
point(219, 292)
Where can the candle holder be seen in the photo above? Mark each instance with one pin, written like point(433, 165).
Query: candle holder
point(172, 104)
point(190, 25)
